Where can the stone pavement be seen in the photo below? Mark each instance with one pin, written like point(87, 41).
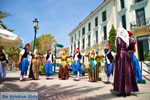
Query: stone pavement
point(55, 89)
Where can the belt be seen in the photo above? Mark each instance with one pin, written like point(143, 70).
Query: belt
point(24, 58)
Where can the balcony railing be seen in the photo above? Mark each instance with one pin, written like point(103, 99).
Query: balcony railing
point(139, 23)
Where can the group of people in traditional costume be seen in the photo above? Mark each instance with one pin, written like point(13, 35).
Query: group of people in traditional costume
point(127, 69)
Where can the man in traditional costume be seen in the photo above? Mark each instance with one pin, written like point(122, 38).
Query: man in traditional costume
point(49, 63)
point(76, 67)
point(124, 80)
point(63, 69)
point(93, 67)
point(136, 66)
point(23, 61)
point(109, 57)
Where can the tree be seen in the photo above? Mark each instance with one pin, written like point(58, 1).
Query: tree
point(3, 15)
point(112, 38)
point(43, 43)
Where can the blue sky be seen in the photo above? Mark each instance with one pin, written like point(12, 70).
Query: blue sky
point(57, 17)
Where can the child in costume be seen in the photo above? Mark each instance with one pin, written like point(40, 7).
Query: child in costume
point(109, 56)
point(93, 67)
point(136, 66)
point(63, 70)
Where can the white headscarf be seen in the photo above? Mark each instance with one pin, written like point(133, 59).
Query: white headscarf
point(123, 34)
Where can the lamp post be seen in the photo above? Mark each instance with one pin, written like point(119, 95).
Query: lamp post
point(35, 23)
point(60, 46)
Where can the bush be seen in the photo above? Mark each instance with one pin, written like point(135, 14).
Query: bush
point(41, 70)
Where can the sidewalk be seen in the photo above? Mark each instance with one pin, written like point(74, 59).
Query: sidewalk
point(55, 89)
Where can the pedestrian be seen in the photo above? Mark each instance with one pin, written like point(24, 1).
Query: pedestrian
point(49, 63)
point(131, 50)
point(76, 67)
point(23, 60)
point(124, 79)
point(63, 69)
point(109, 57)
point(93, 67)
point(34, 67)
point(4, 64)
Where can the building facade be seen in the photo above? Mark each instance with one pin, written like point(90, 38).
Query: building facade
point(92, 32)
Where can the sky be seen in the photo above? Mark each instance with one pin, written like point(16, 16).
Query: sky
point(57, 17)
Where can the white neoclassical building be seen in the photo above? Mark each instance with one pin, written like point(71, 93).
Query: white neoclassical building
point(92, 32)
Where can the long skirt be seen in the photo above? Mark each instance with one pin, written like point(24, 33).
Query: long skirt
point(93, 72)
point(34, 69)
point(63, 72)
point(23, 66)
point(136, 67)
point(48, 68)
point(109, 69)
point(76, 67)
point(124, 80)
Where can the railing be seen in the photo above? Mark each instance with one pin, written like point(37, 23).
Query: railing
point(139, 23)
point(145, 70)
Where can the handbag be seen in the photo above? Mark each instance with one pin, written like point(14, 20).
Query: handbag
point(4, 63)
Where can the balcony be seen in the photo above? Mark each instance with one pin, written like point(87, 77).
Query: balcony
point(140, 23)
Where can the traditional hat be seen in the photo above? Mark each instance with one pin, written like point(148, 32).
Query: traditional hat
point(27, 44)
point(109, 45)
point(49, 50)
point(130, 34)
point(78, 49)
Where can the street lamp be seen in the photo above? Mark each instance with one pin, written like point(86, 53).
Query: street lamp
point(35, 23)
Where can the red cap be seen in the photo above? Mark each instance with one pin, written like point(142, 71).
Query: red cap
point(130, 34)
point(49, 49)
point(27, 44)
point(109, 45)
point(78, 49)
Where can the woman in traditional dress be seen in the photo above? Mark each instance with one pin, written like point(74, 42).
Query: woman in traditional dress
point(93, 67)
point(34, 69)
point(124, 80)
point(63, 70)
point(136, 66)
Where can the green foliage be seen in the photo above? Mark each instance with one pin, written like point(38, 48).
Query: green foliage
point(43, 43)
point(12, 52)
point(112, 38)
point(41, 70)
point(99, 59)
point(3, 15)
point(147, 56)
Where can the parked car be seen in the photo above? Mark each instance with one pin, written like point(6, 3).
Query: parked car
point(83, 67)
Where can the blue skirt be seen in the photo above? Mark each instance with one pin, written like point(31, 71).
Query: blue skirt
point(109, 68)
point(136, 67)
point(48, 68)
point(76, 67)
point(23, 66)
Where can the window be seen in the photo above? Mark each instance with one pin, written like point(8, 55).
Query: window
point(89, 27)
point(140, 17)
point(83, 43)
point(71, 48)
point(105, 32)
point(75, 36)
point(124, 21)
point(74, 47)
point(79, 44)
point(83, 31)
point(89, 42)
point(96, 37)
point(122, 4)
point(138, 1)
point(104, 17)
point(96, 21)
point(72, 39)
point(79, 34)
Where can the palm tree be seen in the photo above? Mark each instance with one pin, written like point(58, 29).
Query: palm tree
point(3, 15)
